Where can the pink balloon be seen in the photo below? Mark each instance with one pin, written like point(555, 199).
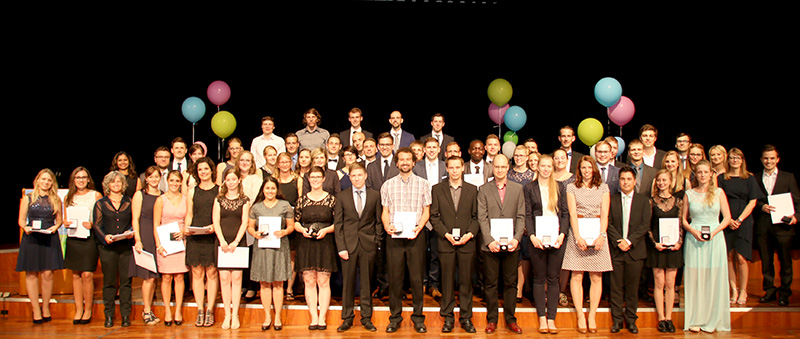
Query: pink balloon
point(621, 113)
point(496, 113)
point(218, 92)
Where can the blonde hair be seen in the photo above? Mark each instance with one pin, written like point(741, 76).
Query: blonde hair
point(721, 149)
point(711, 191)
point(743, 173)
point(252, 169)
point(51, 194)
point(679, 176)
point(552, 186)
point(277, 172)
point(655, 191)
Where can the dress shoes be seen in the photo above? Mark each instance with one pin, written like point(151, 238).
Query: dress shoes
point(109, 322)
point(369, 326)
point(490, 328)
point(435, 293)
point(616, 327)
point(670, 327)
point(769, 296)
point(783, 301)
point(514, 328)
point(448, 326)
point(126, 321)
point(420, 328)
point(468, 326)
point(346, 325)
point(392, 327)
point(633, 328)
point(662, 326)
point(380, 293)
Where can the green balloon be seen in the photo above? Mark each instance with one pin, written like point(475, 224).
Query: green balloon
point(223, 124)
point(511, 136)
point(500, 92)
point(590, 131)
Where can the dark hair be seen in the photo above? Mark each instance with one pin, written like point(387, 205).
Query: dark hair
point(597, 180)
point(317, 169)
point(454, 158)
point(770, 148)
point(177, 140)
point(210, 163)
point(648, 127)
point(278, 195)
point(627, 169)
point(131, 167)
point(384, 135)
point(71, 185)
point(404, 150)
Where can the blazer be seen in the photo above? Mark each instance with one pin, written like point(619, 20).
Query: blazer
point(488, 170)
point(784, 183)
point(445, 217)
point(658, 161)
point(490, 207)
point(375, 178)
point(188, 164)
point(446, 139)
point(612, 178)
point(344, 136)
point(349, 229)
point(638, 225)
point(406, 138)
point(573, 165)
point(646, 183)
point(534, 207)
point(422, 172)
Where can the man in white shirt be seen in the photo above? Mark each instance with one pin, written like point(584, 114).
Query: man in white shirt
point(609, 174)
point(437, 124)
point(179, 160)
point(355, 116)
point(401, 138)
point(266, 138)
point(566, 137)
point(682, 144)
point(332, 147)
point(434, 170)
point(652, 156)
point(492, 147)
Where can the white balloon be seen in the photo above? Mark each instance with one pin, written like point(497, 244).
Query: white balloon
point(508, 149)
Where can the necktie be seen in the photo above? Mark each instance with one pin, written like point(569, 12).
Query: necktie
point(179, 167)
point(477, 169)
point(385, 167)
point(359, 203)
point(625, 216)
point(396, 140)
point(603, 173)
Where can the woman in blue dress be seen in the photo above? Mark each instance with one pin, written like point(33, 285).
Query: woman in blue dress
point(705, 260)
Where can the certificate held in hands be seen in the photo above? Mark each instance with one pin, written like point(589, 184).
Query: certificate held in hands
point(237, 259)
point(547, 230)
point(77, 216)
point(167, 235)
point(404, 224)
point(268, 226)
point(784, 207)
point(589, 229)
point(502, 231)
point(145, 260)
point(668, 231)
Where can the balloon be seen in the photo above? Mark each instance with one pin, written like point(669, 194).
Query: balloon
point(223, 124)
point(218, 92)
point(499, 92)
point(193, 109)
point(607, 91)
point(621, 113)
point(590, 131)
point(515, 118)
point(496, 113)
point(511, 136)
point(508, 149)
point(620, 146)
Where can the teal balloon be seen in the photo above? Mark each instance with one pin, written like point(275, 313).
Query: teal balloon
point(193, 109)
point(511, 136)
point(608, 91)
point(620, 146)
point(515, 118)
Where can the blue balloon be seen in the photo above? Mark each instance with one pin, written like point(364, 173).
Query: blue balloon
point(608, 91)
point(515, 118)
point(193, 109)
point(620, 146)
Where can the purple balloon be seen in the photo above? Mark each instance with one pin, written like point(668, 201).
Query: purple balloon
point(218, 92)
point(496, 113)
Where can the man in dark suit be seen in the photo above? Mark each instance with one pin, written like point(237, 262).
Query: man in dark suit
point(433, 170)
point(501, 199)
point(179, 160)
point(401, 137)
point(644, 174)
point(628, 223)
point(454, 206)
point(437, 123)
point(355, 116)
point(357, 226)
point(378, 171)
point(333, 147)
point(566, 136)
point(476, 163)
point(609, 173)
point(772, 237)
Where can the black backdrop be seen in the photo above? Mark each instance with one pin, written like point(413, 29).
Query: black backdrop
point(93, 87)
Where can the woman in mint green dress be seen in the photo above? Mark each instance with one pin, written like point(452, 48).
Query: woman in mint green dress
point(706, 267)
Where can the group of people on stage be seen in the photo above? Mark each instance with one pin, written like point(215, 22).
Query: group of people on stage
point(377, 208)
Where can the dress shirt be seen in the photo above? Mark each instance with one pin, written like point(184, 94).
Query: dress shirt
point(332, 163)
point(455, 192)
point(603, 171)
point(362, 197)
point(396, 135)
point(649, 160)
point(627, 199)
point(180, 165)
point(438, 136)
point(477, 167)
point(432, 171)
point(386, 163)
point(769, 180)
point(501, 189)
point(406, 195)
point(260, 142)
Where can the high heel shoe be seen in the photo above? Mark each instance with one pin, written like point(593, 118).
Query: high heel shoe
point(742, 300)
point(87, 320)
point(735, 295)
point(226, 323)
point(592, 329)
point(235, 322)
point(582, 330)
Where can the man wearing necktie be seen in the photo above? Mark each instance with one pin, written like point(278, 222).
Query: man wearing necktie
point(609, 173)
point(628, 223)
point(682, 144)
point(378, 172)
point(566, 136)
point(437, 124)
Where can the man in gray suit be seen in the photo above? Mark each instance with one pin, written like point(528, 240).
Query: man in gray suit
point(501, 199)
point(609, 173)
point(432, 169)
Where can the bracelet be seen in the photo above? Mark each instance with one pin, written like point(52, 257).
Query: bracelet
point(602, 234)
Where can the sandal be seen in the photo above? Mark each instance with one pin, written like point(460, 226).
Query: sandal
point(209, 318)
point(289, 296)
point(200, 319)
point(150, 318)
point(742, 297)
point(734, 296)
point(562, 299)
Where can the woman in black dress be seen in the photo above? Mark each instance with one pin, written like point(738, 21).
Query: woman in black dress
point(81, 253)
point(316, 250)
point(144, 234)
point(123, 163)
point(113, 216)
point(40, 248)
point(290, 185)
point(201, 250)
point(742, 192)
point(665, 261)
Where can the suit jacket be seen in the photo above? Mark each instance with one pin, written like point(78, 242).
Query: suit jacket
point(490, 207)
point(446, 139)
point(646, 183)
point(534, 207)
point(658, 161)
point(349, 229)
point(638, 225)
point(344, 136)
point(422, 172)
point(445, 217)
point(573, 165)
point(188, 164)
point(784, 183)
point(375, 178)
point(406, 138)
point(488, 170)
point(612, 178)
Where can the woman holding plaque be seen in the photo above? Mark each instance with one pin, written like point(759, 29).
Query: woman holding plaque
point(587, 197)
point(81, 253)
point(316, 250)
point(171, 208)
point(546, 197)
point(271, 266)
point(143, 203)
point(230, 212)
point(704, 254)
point(742, 191)
point(201, 249)
point(665, 255)
point(40, 249)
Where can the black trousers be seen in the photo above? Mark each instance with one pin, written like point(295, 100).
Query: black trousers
point(546, 266)
point(363, 261)
point(115, 262)
point(768, 244)
point(433, 272)
point(402, 253)
point(504, 263)
point(625, 288)
point(452, 264)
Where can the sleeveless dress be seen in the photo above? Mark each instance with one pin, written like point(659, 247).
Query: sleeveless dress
point(313, 254)
point(664, 208)
point(200, 248)
point(146, 229)
point(739, 192)
point(271, 264)
point(588, 202)
point(345, 180)
point(175, 262)
point(230, 219)
point(38, 251)
point(81, 254)
point(706, 270)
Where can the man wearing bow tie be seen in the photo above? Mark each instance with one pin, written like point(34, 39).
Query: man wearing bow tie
point(332, 146)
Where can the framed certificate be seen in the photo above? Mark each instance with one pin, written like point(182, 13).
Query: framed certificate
point(502, 228)
point(668, 231)
point(404, 224)
point(268, 226)
point(547, 229)
point(589, 229)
